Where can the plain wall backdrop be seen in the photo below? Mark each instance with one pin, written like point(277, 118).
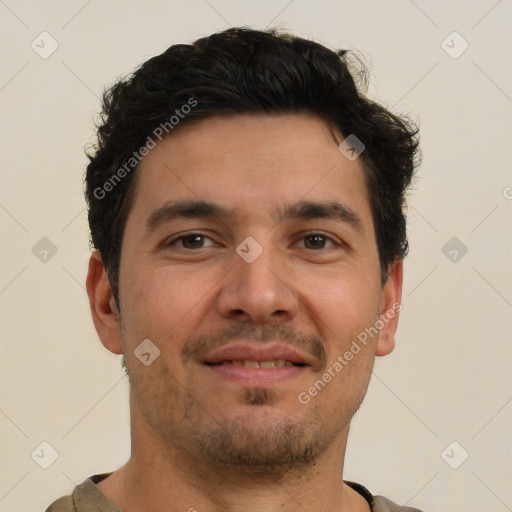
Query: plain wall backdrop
point(449, 378)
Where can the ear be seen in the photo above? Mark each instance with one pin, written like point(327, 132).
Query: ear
point(103, 307)
point(390, 308)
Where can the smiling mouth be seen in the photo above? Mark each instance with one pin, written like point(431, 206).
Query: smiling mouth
point(247, 363)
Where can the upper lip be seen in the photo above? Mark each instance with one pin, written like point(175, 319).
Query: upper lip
point(252, 352)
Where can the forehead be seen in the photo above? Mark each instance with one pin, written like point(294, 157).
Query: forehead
point(250, 164)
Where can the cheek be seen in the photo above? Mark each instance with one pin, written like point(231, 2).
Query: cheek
point(344, 302)
point(163, 307)
point(344, 308)
point(165, 302)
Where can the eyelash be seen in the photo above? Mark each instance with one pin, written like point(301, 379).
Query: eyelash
point(174, 241)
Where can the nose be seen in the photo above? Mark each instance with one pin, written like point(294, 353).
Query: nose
point(258, 292)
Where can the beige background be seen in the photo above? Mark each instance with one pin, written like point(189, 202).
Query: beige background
point(449, 378)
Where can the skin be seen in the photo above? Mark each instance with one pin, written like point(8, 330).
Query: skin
point(191, 429)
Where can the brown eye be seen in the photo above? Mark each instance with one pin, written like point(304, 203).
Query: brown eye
point(316, 241)
point(191, 241)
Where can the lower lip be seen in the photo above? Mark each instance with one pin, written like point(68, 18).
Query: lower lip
point(257, 376)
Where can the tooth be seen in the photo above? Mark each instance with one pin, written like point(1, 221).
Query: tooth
point(274, 363)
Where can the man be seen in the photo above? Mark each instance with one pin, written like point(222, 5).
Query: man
point(246, 210)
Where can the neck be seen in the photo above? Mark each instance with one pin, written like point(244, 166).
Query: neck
point(168, 479)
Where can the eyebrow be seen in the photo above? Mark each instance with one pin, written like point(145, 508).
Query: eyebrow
point(304, 210)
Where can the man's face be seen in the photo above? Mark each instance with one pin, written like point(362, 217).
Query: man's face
point(210, 298)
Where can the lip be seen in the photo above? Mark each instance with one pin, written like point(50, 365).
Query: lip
point(257, 352)
point(261, 352)
point(257, 376)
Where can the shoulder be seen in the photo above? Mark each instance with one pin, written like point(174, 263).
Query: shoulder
point(86, 497)
point(382, 504)
point(379, 503)
point(64, 504)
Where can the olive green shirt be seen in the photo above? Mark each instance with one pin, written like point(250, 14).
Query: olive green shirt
point(87, 497)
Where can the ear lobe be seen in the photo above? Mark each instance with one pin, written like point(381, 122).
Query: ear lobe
point(103, 307)
point(390, 308)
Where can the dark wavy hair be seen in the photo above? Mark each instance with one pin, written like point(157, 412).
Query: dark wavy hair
point(236, 71)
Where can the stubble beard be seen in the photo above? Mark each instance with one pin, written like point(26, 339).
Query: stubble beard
point(256, 449)
point(236, 445)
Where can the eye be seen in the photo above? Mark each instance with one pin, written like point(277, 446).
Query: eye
point(190, 241)
point(317, 241)
point(195, 241)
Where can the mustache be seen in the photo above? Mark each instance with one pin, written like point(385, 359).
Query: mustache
point(198, 346)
